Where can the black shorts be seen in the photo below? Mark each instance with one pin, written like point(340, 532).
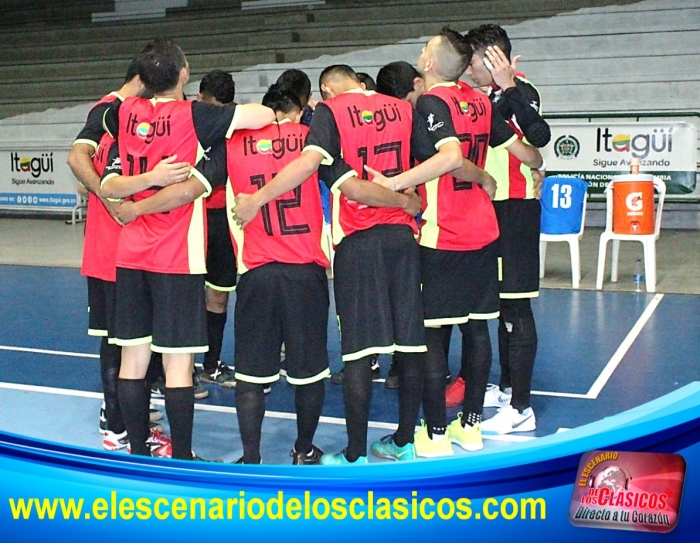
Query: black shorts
point(519, 247)
point(459, 285)
point(101, 308)
point(278, 303)
point(164, 309)
point(221, 262)
point(377, 292)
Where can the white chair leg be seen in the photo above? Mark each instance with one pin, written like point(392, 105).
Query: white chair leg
point(575, 263)
point(615, 259)
point(602, 248)
point(650, 264)
point(543, 255)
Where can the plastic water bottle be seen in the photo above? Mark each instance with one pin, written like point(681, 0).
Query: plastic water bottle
point(638, 276)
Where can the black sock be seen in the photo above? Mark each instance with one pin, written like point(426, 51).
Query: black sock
point(434, 377)
point(110, 362)
point(466, 348)
point(357, 395)
point(250, 409)
point(216, 322)
point(155, 369)
point(478, 365)
point(471, 419)
point(503, 348)
point(308, 401)
point(179, 405)
point(411, 367)
point(522, 349)
point(134, 397)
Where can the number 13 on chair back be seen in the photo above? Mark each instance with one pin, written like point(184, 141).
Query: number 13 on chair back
point(563, 218)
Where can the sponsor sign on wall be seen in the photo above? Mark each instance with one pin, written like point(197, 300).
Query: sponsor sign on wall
point(599, 150)
point(36, 179)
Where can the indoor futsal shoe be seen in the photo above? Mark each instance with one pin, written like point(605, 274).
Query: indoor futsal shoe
point(311, 458)
point(467, 437)
point(339, 459)
point(387, 448)
point(222, 375)
point(495, 397)
point(509, 420)
point(114, 442)
point(454, 393)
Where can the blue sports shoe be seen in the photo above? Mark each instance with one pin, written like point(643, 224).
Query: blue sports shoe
point(339, 459)
point(387, 448)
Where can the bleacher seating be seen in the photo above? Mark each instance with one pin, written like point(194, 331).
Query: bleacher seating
point(51, 55)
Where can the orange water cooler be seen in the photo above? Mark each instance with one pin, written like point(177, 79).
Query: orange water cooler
point(633, 204)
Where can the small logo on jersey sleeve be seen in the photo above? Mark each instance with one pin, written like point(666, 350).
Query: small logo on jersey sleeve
point(432, 125)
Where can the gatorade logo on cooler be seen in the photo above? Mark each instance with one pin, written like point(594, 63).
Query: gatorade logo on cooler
point(634, 201)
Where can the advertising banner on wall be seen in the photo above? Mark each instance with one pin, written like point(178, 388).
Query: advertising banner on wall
point(601, 149)
point(36, 179)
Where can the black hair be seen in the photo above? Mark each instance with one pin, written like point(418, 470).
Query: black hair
point(396, 79)
point(335, 70)
point(281, 98)
point(219, 85)
point(133, 70)
point(367, 81)
point(297, 81)
point(160, 64)
point(454, 67)
point(489, 34)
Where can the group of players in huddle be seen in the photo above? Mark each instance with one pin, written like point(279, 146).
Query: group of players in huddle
point(434, 220)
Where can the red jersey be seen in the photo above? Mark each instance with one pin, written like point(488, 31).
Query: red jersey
point(288, 229)
point(172, 242)
point(363, 128)
point(101, 230)
point(457, 215)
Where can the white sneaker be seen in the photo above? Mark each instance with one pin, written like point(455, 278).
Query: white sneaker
point(495, 397)
point(509, 420)
point(114, 442)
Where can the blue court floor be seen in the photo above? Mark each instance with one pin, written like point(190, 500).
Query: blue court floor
point(600, 353)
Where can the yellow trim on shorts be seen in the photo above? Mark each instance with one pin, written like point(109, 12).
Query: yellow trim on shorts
point(257, 380)
point(180, 350)
point(484, 316)
point(112, 341)
point(436, 323)
point(519, 295)
point(309, 380)
point(218, 288)
point(389, 349)
point(97, 332)
point(133, 342)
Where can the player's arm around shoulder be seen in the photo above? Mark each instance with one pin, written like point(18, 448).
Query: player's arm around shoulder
point(252, 116)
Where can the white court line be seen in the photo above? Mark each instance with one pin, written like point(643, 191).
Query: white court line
point(224, 409)
point(616, 358)
point(199, 365)
point(46, 351)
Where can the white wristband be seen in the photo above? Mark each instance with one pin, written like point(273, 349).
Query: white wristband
point(543, 166)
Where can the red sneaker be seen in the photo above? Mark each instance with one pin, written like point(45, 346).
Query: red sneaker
point(454, 394)
point(164, 451)
point(157, 440)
